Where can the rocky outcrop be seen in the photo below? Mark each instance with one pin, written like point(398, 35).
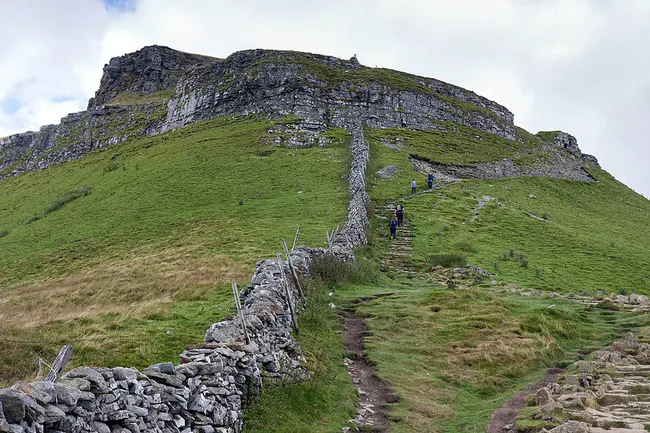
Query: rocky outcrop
point(548, 162)
point(149, 70)
point(566, 141)
point(323, 90)
point(609, 391)
point(77, 135)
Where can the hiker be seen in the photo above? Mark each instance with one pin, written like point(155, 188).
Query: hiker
point(414, 186)
point(400, 214)
point(393, 227)
point(430, 180)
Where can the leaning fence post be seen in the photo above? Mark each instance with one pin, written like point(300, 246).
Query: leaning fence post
point(294, 274)
point(295, 239)
point(240, 312)
point(59, 363)
point(289, 300)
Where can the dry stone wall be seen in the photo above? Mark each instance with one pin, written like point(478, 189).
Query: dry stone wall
point(215, 380)
point(207, 392)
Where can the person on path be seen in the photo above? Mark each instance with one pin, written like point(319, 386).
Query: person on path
point(399, 212)
point(430, 180)
point(393, 227)
point(414, 186)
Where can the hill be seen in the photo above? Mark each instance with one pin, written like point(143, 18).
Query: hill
point(122, 227)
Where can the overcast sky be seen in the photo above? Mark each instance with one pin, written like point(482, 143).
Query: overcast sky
point(581, 66)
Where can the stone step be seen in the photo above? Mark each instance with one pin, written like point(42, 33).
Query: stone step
point(616, 430)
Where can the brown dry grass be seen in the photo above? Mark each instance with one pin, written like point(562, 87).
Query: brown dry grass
point(142, 284)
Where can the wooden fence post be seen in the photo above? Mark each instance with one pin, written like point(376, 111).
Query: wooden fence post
point(294, 274)
point(59, 363)
point(294, 320)
point(240, 312)
point(295, 239)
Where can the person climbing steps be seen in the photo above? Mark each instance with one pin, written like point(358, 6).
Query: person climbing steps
point(400, 214)
point(393, 227)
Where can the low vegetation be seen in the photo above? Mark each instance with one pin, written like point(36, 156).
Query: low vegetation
point(66, 198)
point(453, 356)
point(138, 267)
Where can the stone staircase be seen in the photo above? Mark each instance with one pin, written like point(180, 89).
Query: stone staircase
point(610, 392)
point(398, 259)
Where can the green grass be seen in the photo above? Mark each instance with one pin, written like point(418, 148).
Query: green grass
point(455, 145)
point(451, 357)
point(592, 238)
point(161, 234)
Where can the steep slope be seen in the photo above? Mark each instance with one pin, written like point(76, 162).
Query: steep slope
point(138, 263)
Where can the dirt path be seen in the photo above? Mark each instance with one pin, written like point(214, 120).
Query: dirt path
point(373, 393)
point(503, 420)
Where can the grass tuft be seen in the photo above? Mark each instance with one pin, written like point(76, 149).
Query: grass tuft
point(451, 260)
point(332, 270)
point(67, 198)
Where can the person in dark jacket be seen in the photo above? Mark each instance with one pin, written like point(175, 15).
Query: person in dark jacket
point(430, 180)
point(393, 227)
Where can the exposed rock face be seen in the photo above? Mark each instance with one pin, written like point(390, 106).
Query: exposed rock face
point(78, 134)
point(556, 164)
point(566, 141)
point(146, 71)
point(325, 91)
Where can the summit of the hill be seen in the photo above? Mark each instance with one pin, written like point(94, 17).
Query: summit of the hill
point(149, 70)
point(157, 89)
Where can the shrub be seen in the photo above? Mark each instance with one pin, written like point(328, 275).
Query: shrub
point(466, 247)
point(447, 260)
point(335, 271)
point(34, 218)
point(607, 304)
point(111, 167)
point(67, 198)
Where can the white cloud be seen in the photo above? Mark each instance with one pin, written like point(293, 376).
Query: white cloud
point(576, 65)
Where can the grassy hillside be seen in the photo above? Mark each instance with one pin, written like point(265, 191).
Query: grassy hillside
point(454, 356)
point(128, 253)
point(592, 235)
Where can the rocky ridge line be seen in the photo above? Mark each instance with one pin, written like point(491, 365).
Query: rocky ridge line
point(157, 89)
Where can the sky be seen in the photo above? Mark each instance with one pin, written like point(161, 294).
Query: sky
point(576, 65)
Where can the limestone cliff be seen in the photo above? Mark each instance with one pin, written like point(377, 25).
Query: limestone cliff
point(157, 89)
